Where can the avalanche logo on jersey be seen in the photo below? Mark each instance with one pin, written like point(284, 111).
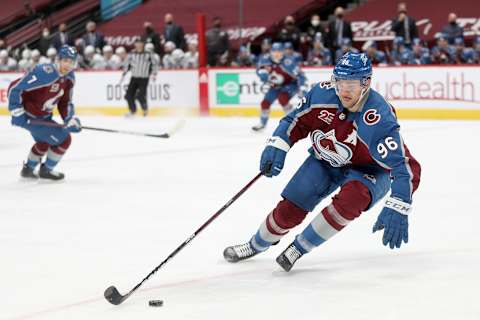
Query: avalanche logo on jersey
point(371, 117)
point(55, 87)
point(328, 148)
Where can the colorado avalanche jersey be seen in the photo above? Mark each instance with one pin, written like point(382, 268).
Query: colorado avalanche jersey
point(369, 137)
point(280, 74)
point(40, 90)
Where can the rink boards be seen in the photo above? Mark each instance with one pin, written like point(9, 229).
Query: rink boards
point(427, 92)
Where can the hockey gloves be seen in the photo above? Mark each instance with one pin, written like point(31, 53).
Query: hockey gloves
point(74, 125)
point(394, 219)
point(19, 117)
point(273, 156)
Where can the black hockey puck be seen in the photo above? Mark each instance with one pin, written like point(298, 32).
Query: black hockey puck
point(155, 303)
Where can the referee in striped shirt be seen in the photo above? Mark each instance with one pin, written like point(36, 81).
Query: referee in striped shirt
point(142, 65)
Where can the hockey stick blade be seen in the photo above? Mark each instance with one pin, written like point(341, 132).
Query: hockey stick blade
point(113, 296)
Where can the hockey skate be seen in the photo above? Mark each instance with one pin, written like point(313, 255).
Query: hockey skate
point(46, 173)
point(288, 257)
point(259, 127)
point(28, 173)
point(239, 252)
point(145, 113)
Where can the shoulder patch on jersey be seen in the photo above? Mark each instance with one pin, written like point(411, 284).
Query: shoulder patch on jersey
point(326, 85)
point(47, 68)
point(371, 117)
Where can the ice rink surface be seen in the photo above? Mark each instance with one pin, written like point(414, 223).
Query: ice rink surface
point(127, 202)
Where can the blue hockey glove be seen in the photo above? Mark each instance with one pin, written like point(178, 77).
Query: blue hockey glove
point(74, 125)
point(394, 219)
point(273, 156)
point(19, 117)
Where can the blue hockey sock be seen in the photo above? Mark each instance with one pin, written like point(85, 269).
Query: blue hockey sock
point(32, 164)
point(318, 231)
point(52, 159)
point(264, 117)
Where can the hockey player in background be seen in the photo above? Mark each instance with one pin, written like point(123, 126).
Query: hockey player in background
point(283, 78)
point(32, 99)
point(357, 146)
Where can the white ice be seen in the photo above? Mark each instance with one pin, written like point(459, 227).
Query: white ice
point(128, 202)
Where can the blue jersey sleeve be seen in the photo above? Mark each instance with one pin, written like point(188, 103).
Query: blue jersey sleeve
point(389, 151)
point(262, 72)
point(34, 79)
point(65, 105)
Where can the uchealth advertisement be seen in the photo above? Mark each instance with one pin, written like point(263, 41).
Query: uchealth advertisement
point(102, 92)
point(416, 92)
point(427, 92)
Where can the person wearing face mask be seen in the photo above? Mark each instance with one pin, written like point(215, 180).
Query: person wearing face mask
point(45, 41)
point(92, 37)
point(218, 43)
point(315, 28)
point(404, 26)
point(289, 32)
point(173, 32)
point(62, 37)
point(151, 36)
point(452, 30)
point(338, 29)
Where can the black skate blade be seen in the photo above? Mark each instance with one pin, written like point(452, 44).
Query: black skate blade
point(113, 296)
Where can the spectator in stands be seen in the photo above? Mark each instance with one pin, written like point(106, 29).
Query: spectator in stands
point(463, 55)
point(420, 53)
point(3, 45)
point(452, 30)
point(151, 36)
point(25, 64)
point(62, 37)
point(92, 59)
point(218, 44)
point(377, 56)
point(244, 58)
point(400, 54)
point(51, 55)
point(315, 28)
point(36, 56)
point(149, 47)
point(476, 48)
point(346, 47)
point(404, 26)
point(112, 61)
point(174, 60)
point(443, 53)
point(7, 63)
point(173, 32)
point(291, 53)
point(191, 56)
point(168, 48)
point(92, 37)
point(289, 32)
point(338, 29)
point(45, 41)
point(319, 55)
point(266, 46)
point(122, 54)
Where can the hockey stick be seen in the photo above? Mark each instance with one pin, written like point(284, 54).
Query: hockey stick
point(161, 135)
point(114, 297)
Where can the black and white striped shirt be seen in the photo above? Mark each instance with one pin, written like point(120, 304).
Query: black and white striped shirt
point(141, 64)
